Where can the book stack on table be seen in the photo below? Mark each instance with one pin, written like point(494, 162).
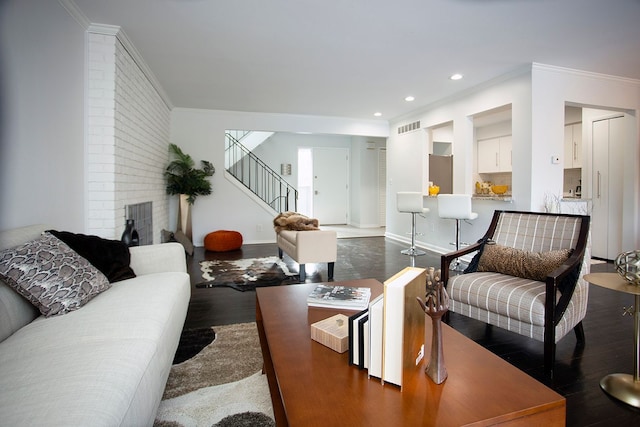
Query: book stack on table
point(386, 335)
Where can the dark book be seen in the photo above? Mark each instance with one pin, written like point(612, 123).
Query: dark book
point(356, 338)
point(363, 342)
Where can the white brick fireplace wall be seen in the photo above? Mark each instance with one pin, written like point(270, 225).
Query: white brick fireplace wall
point(128, 119)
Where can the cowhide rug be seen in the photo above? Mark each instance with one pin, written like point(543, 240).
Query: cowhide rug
point(245, 274)
point(221, 385)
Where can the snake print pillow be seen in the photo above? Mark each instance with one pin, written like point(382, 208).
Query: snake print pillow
point(519, 263)
point(51, 275)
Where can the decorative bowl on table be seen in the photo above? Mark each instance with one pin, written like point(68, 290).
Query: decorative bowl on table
point(628, 266)
point(499, 189)
point(434, 190)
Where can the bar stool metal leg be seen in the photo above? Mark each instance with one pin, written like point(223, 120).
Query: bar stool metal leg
point(413, 251)
point(456, 266)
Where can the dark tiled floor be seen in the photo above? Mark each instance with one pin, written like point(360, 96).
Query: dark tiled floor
point(609, 335)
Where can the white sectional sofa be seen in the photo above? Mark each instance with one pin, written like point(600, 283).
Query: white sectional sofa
point(104, 364)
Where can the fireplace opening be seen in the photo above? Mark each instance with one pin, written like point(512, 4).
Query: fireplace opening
point(142, 215)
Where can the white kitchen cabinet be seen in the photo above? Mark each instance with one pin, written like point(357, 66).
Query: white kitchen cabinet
point(573, 146)
point(494, 155)
point(606, 215)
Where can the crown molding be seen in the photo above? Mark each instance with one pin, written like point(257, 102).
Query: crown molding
point(75, 13)
point(118, 32)
point(104, 29)
point(581, 73)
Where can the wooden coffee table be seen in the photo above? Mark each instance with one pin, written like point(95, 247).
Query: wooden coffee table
point(311, 385)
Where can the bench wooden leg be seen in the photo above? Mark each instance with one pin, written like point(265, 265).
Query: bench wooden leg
point(331, 265)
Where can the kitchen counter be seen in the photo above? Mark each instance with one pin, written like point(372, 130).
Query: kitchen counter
point(571, 199)
point(575, 205)
point(494, 197)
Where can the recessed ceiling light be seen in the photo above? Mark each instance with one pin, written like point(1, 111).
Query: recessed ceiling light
point(377, 114)
point(456, 76)
point(409, 98)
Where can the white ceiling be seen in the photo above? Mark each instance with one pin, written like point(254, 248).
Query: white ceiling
point(351, 58)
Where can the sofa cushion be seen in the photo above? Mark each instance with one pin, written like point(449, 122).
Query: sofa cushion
point(507, 295)
point(519, 263)
point(51, 275)
point(15, 310)
point(103, 365)
point(111, 257)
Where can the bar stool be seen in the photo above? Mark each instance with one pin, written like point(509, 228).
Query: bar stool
point(411, 202)
point(458, 207)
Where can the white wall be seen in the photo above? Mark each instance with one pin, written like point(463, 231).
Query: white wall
point(127, 136)
point(407, 155)
point(363, 163)
point(282, 147)
point(41, 116)
point(538, 97)
point(364, 186)
point(603, 92)
point(50, 106)
point(201, 134)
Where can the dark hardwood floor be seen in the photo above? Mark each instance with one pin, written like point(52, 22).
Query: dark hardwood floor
point(609, 335)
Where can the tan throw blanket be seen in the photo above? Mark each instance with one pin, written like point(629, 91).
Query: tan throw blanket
point(294, 221)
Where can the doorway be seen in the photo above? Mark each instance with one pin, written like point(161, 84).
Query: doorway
point(331, 185)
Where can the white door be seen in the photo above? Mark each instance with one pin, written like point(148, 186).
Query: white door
point(330, 185)
point(606, 216)
point(382, 186)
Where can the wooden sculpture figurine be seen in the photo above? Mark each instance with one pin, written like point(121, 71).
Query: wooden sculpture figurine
point(436, 305)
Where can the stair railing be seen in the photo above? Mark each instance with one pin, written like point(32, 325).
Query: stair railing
point(258, 177)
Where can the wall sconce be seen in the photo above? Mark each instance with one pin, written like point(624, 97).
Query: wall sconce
point(285, 169)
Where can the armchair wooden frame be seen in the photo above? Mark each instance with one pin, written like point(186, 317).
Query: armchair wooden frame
point(569, 274)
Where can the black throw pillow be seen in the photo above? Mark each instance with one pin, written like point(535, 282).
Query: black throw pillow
point(111, 257)
point(473, 265)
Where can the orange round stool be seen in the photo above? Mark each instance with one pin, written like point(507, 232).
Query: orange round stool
point(223, 241)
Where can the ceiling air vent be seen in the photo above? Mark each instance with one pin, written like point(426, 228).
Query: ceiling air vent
point(409, 127)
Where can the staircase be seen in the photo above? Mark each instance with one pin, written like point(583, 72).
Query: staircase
point(256, 176)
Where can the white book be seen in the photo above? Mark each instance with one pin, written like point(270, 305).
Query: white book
point(375, 336)
point(403, 320)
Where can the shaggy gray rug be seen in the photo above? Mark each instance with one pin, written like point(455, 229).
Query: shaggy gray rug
point(245, 274)
point(222, 385)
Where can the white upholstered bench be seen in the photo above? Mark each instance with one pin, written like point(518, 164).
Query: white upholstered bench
point(309, 246)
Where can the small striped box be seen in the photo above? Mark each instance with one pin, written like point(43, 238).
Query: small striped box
point(332, 332)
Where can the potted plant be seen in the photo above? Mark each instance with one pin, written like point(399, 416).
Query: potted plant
point(189, 182)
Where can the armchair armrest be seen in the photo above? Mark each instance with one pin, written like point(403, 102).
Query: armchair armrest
point(565, 279)
point(165, 257)
point(446, 259)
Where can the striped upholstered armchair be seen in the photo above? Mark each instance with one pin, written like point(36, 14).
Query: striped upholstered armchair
point(526, 277)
